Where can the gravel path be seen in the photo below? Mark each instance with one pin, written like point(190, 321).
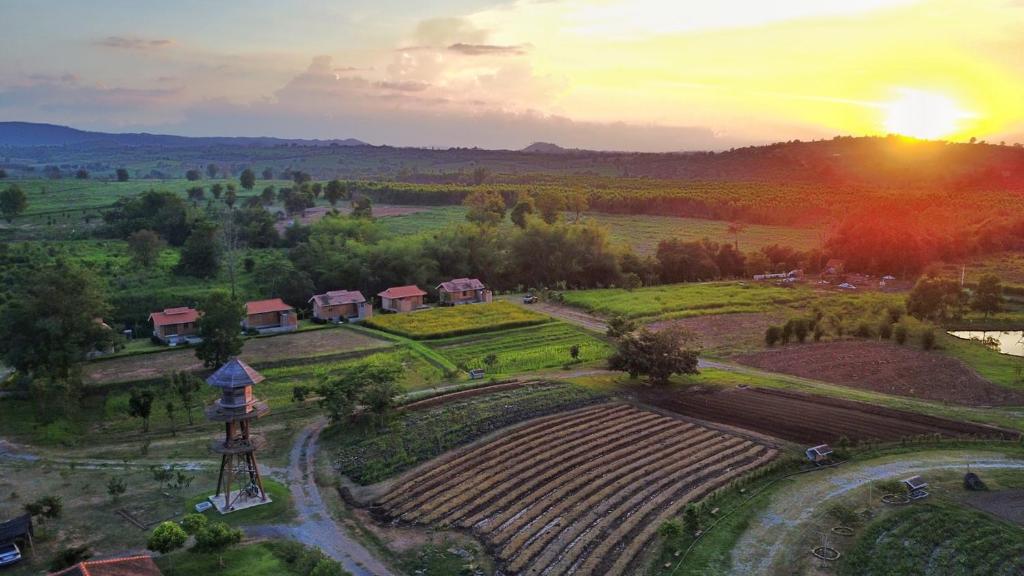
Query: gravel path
point(793, 506)
point(315, 526)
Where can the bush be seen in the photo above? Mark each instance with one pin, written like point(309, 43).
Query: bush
point(166, 538)
point(193, 523)
point(772, 335)
point(864, 330)
point(928, 339)
point(900, 334)
point(819, 333)
point(216, 536)
point(884, 330)
point(670, 529)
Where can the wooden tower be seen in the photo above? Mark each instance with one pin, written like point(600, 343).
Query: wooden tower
point(237, 408)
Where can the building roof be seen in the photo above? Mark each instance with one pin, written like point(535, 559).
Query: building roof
point(264, 306)
point(174, 316)
point(234, 374)
point(461, 285)
point(128, 566)
point(402, 292)
point(338, 297)
point(15, 528)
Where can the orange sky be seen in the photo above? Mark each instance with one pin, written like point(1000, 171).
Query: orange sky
point(632, 74)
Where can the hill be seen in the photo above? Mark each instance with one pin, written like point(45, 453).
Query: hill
point(29, 134)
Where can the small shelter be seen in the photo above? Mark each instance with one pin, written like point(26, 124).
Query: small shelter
point(835, 266)
point(268, 316)
point(819, 454)
point(402, 298)
point(18, 529)
point(173, 325)
point(141, 565)
point(916, 487)
point(462, 291)
point(338, 305)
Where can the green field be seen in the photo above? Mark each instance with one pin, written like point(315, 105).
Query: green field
point(686, 300)
point(641, 233)
point(523, 349)
point(935, 539)
point(456, 320)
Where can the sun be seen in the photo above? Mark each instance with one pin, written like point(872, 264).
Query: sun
point(924, 114)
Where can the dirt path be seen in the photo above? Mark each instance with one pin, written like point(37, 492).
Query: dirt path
point(793, 506)
point(566, 313)
point(315, 526)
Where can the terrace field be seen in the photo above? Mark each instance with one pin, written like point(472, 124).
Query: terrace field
point(450, 321)
point(522, 349)
point(580, 492)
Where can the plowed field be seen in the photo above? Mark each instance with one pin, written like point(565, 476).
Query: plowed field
point(581, 492)
point(805, 418)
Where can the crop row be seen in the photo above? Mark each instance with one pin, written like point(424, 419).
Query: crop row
point(457, 320)
point(532, 348)
point(582, 493)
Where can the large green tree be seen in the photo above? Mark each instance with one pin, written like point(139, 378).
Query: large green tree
point(220, 329)
point(936, 298)
point(485, 207)
point(988, 296)
point(247, 179)
point(369, 383)
point(200, 255)
point(12, 202)
point(657, 355)
point(145, 246)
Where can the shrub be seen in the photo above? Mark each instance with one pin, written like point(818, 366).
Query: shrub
point(864, 330)
point(800, 330)
point(772, 335)
point(787, 332)
point(819, 332)
point(217, 536)
point(166, 538)
point(670, 529)
point(928, 339)
point(884, 330)
point(193, 523)
point(900, 334)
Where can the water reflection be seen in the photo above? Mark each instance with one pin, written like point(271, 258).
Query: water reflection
point(1011, 342)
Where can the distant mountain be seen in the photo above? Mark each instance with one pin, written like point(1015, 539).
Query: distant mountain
point(546, 148)
point(26, 134)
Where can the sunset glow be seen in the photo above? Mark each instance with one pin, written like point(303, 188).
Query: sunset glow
point(924, 114)
point(629, 74)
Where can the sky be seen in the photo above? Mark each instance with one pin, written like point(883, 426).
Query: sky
point(647, 75)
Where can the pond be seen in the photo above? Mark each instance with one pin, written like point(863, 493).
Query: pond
point(1011, 342)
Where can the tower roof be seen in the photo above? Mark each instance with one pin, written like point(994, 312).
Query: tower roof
point(234, 374)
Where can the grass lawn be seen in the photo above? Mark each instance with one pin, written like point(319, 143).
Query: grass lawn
point(936, 538)
point(686, 300)
point(1002, 369)
point(263, 559)
point(522, 349)
point(456, 320)
point(279, 511)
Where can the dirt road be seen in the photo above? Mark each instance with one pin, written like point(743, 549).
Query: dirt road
point(794, 506)
point(314, 525)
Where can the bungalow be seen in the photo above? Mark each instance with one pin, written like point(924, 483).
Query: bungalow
point(462, 291)
point(266, 316)
point(401, 298)
point(338, 305)
point(174, 324)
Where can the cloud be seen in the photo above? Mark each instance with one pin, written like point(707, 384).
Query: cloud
point(406, 86)
point(133, 43)
point(488, 49)
point(447, 31)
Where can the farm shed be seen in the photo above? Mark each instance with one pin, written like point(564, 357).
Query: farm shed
point(128, 566)
point(174, 324)
point(819, 453)
point(337, 305)
point(17, 529)
point(402, 298)
point(462, 291)
point(268, 316)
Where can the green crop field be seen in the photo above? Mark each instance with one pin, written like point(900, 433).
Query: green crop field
point(937, 539)
point(686, 300)
point(641, 233)
point(522, 349)
point(456, 320)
